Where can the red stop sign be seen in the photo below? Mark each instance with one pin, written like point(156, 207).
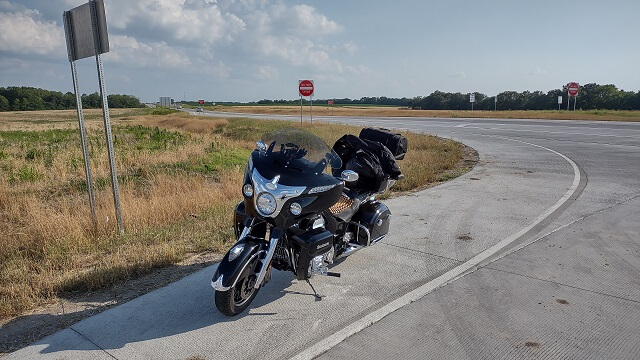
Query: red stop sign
point(573, 89)
point(305, 87)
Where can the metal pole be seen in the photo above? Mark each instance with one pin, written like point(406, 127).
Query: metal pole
point(495, 104)
point(107, 121)
point(300, 109)
point(83, 133)
point(568, 100)
point(575, 100)
point(311, 100)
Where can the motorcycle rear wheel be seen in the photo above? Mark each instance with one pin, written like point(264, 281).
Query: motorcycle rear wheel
point(235, 300)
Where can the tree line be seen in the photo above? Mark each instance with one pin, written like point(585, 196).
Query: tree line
point(30, 98)
point(367, 100)
point(591, 96)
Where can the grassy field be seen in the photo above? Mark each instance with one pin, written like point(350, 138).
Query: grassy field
point(179, 178)
point(353, 110)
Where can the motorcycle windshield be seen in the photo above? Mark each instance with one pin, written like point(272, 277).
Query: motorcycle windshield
point(300, 150)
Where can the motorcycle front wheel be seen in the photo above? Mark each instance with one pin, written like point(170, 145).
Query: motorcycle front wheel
point(239, 297)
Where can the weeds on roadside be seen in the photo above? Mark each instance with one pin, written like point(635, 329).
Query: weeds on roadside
point(179, 181)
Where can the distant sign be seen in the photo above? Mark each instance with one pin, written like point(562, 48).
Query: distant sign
point(560, 99)
point(305, 87)
point(573, 89)
point(330, 102)
point(201, 102)
point(472, 97)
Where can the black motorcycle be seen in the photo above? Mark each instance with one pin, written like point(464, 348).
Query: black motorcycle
point(306, 205)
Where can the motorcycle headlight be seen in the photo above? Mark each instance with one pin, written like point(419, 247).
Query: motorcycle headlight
point(266, 203)
point(247, 190)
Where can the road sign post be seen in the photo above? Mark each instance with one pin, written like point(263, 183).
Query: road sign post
point(495, 103)
point(559, 101)
point(572, 90)
point(86, 35)
point(472, 99)
point(83, 133)
point(306, 88)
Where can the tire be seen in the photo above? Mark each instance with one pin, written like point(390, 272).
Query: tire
point(235, 300)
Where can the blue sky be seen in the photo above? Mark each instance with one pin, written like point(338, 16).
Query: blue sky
point(247, 50)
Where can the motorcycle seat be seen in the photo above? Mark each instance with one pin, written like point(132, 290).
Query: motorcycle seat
point(348, 204)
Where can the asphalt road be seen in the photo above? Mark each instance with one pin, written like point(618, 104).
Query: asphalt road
point(535, 253)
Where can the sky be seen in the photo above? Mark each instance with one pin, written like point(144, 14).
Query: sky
point(248, 50)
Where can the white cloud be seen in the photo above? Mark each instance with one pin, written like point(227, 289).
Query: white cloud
point(358, 69)
point(193, 21)
point(12, 64)
point(129, 51)
point(460, 74)
point(538, 71)
point(298, 20)
point(6, 5)
point(267, 72)
point(298, 53)
point(208, 37)
point(22, 33)
point(305, 19)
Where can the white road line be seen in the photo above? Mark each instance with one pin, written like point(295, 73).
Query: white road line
point(451, 275)
point(475, 126)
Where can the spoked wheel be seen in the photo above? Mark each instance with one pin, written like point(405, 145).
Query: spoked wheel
point(235, 300)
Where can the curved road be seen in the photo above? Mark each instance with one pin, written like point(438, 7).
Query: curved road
point(535, 253)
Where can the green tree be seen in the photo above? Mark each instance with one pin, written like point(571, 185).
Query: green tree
point(4, 104)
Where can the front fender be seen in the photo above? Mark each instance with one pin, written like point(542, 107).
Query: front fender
point(228, 271)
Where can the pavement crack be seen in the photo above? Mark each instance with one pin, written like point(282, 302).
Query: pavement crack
point(563, 284)
point(96, 345)
point(633, 197)
point(423, 252)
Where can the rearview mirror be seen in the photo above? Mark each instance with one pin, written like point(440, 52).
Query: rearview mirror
point(261, 146)
point(349, 176)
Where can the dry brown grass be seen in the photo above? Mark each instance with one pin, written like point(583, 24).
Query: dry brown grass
point(178, 189)
point(324, 110)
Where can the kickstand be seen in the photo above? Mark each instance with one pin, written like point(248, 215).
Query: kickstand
point(315, 293)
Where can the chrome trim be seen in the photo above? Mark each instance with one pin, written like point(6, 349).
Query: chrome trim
point(217, 285)
point(244, 233)
point(350, 250)
point(266, 262)
point(365, 230)
point(280, 192)
point(319, 189)
point(273, 184)
point(378, 239)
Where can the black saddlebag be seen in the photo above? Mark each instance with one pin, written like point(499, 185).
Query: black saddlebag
point(396, 143)
point(371, 160)
point(376, 217)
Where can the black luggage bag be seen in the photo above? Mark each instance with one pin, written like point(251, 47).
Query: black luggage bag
point(370, 159)
point(397, 143)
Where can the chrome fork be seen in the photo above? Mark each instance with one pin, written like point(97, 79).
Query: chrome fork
point(273, 242)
